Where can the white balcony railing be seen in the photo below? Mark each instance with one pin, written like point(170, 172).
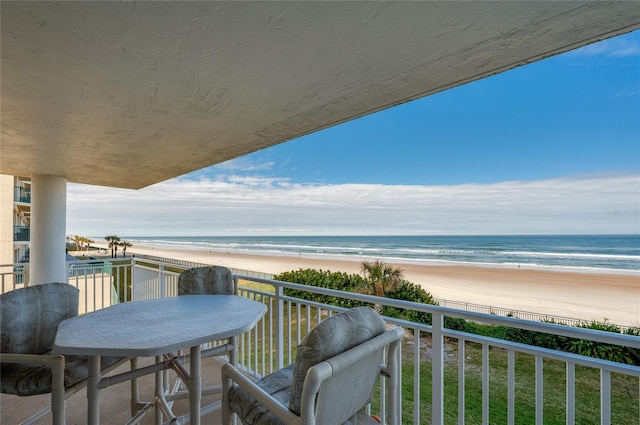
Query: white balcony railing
point(449, 376)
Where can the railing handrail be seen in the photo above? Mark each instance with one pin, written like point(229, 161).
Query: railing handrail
point(250, 274)
point(563, 330)
point(185, 263)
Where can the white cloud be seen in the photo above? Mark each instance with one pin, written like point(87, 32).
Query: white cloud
point(612, 47)
point(243, 164)
point(265, 182)
point(632, 90)
point(254, 206)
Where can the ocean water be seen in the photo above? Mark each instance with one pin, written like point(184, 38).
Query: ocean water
point(576, 252)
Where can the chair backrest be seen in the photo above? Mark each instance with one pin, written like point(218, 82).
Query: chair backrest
point(29, 317)
point(356, 370)
point(331, 337)
point(209, 280)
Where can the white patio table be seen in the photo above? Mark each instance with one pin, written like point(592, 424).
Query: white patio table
point(153, 328)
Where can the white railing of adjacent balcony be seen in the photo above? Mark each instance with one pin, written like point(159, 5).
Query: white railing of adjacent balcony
point(272, 343)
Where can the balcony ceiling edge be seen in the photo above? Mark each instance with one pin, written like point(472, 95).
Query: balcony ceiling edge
point(128, 94)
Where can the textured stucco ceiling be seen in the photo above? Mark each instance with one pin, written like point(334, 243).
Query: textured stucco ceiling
point(128, 94)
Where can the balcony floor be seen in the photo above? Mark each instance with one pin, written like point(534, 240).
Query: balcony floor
point(114, 401)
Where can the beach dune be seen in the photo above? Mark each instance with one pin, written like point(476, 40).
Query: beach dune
point(612, 297)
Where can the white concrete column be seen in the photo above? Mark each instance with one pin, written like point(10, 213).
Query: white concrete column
point(48, 229)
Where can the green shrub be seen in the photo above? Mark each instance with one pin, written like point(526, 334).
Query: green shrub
point(322, 279)
point(406, 291)
point(458, 324)
point(614, 353)
point(582, 347)
point(538, 339)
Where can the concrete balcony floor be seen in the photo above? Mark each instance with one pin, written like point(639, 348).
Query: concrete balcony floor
point(114, 401)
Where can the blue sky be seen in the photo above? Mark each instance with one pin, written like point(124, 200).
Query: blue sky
point(575, 113)
point(551, 147)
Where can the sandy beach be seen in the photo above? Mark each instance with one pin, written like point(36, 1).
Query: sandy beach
point(587, 296)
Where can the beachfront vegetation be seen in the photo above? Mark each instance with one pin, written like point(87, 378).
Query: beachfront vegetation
point(113, 244)
point(124, 245)
point(79, 243)
point(380, 278)
point(582, 347)
point(404, 290)
point(400, 290)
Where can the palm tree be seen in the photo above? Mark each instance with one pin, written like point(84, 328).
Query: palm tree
point(124, 245)
point(113, 244)
point(88, 243)
point(379, 279)
point(77, 241)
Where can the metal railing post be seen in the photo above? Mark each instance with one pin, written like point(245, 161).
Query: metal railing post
point(161, 281)
point(133, 280)
point(280, 326)
point(416, 376)
point(437, 359)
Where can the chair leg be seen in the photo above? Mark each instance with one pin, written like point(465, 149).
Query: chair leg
point(226, 412)
point(58, 391)
point(135, 396)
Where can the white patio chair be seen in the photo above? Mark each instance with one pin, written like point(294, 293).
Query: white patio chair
point(29, 319)
point(337, 366)
point(210, 280)
point(206, 280)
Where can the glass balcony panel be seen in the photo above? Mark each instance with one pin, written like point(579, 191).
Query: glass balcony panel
point(22, 194)
point(21, 233)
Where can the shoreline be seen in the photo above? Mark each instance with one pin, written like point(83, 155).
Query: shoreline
point(614, 297)
point(400, 261)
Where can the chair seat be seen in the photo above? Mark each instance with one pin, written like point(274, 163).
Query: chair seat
point(250, 412)
point(278, 386)
point(23, 379)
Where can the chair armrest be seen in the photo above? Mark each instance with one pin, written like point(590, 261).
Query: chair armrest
point(48, 359)
point(231, 375)
point(56, 362)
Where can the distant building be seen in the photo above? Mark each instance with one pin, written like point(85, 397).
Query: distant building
point(15, 226)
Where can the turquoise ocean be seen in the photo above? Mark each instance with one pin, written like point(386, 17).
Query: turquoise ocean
point(589, 253)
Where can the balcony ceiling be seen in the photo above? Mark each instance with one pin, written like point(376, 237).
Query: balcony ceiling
point(129, 94)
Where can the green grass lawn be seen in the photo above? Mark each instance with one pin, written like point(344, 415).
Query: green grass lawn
point(624, 399)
